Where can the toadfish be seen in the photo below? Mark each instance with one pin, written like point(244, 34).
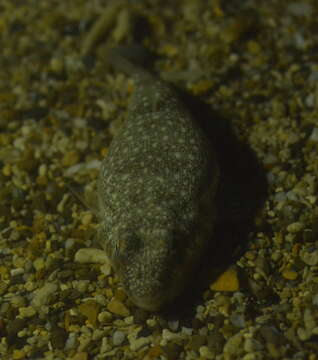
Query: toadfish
point(156, 193)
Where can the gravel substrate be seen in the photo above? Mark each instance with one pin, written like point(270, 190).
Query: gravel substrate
point(255, 65)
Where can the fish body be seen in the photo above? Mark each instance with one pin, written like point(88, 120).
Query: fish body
point(156, 193)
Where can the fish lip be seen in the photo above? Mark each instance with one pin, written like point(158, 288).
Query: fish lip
point(149, 303)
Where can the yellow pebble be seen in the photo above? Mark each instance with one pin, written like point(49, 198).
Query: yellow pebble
point(6, 171)
point(90, 309)
point(228, 281)
point(104, 151)
point(80, 356)
point(201, 87)
point(87, 218)
point(70, 158)
point(18, 354)
point(289, 274)
point(117, 307)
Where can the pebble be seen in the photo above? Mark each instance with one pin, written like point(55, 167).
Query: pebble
point(196, 342)
point(105, 317)
point(315, 300)
point(91, 255)
point(117, 307)
point(90, 309)
point(16, 272)
point(80, 356)
point(309, 257)
point(39, 264)
point(215, 342)
point(233, 344)
point(27, 312)
point(228, 281)
point(205, 353)
point(87, 219)
point(15, 326)
point(71, 341)
point(295, 227)
point(290, 274)
point(314, 135)
point(137, 343)
point(251, 345)
point(118, 337)
point(18, 301)
point(42, 295)
point(168, 336)
point(18, 354)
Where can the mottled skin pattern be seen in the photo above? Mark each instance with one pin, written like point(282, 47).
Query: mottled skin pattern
point(156, 194)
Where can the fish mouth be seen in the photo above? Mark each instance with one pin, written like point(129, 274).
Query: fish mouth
point(149, 303)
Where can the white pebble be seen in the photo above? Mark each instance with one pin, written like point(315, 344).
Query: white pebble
point(16, 272)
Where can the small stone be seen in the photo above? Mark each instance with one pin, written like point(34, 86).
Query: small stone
point(172, 351)
point(106, 269)
point(215, 342)
point(70, 158)
point(238, 320)
point(315, 300)
point(58, 337)
point(80, 356)
point(228, 281)
point(42, 295)
point(18, 301)
point(136, 344)
point(105, 317)
point(196, 341)
point(18, 354)
point(168, 337)
point(314, 135)
point(289, 274)
point(123, 26)
point(87, 219)
point(39, 264)
point(117, 307)
point(205, 353)
point(250, 255)
point(15, 326)
point(42, 170)
point(253, 356)
point(295, 227)
point(118, 337)
point(90, 309)
point(309, 257)
point(16, 272)
point(233, 345)
point(56, 65)
point(91, 255)
point(153, 353)
point(173, 325)
point(252, 345)
point(303, 334)
point(71, 342)
point(309, 319)
point(27, 312)
point(84, 340)
point(271, 334)
point(81, 285)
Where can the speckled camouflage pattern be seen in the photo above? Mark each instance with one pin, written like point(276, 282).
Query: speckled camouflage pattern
point(156, 194)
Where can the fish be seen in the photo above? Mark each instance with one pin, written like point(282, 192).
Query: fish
point(156, 192)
